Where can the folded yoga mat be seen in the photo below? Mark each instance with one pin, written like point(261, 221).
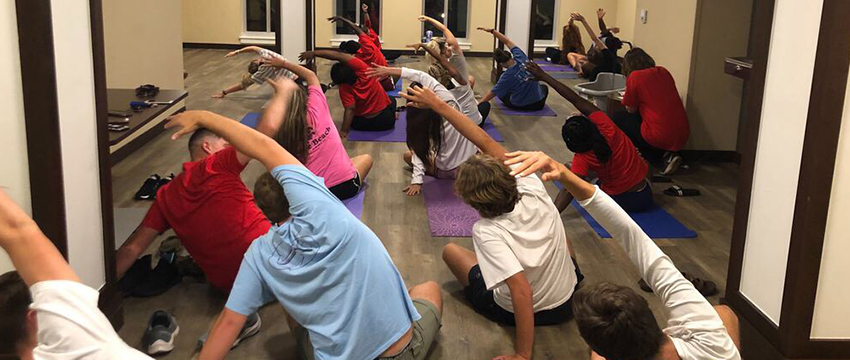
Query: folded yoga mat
point(546, 111)
point(399, 133)
point(394, 92)
point(355, 204)
point(448, 216)
point(655, 222)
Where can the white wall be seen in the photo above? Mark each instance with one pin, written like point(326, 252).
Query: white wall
point(75, 90)
point(293, 30)
point(14, 169)
point(831, 310)
point(517, 23)
point(784, 112)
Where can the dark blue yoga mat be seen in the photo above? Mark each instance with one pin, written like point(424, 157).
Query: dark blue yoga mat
point(399, 133)
point(394, 92)
point(655, 222)
point(251, 120)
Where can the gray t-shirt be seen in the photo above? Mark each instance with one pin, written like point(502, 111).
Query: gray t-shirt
point(463, 93)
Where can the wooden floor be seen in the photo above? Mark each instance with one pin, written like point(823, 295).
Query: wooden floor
point(401, 223)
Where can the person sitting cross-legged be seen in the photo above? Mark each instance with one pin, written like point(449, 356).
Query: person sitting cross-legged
point(521, 272)
point(615, 320)
point(343, 294)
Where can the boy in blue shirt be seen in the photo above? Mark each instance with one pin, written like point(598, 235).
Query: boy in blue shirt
point(344, 296)
point(516, 88)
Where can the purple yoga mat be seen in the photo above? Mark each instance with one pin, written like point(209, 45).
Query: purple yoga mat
point(565, 75)
point(355, 204)
point(557, 68)
point(546, 111)
point(448, 216)
point(399, 133)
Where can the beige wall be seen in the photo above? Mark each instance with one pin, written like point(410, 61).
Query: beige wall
point(214, 21)
point(668, 36)
point(399, 25)
point(14, 170)
point(714, 98)
point(143, 43)
point(588, 9)
point(626, 18)
point(831, 310)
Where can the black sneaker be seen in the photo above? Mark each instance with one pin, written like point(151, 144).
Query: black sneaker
point(148, 190)
point(162, 182)
point(251, 328)
point(160, 334)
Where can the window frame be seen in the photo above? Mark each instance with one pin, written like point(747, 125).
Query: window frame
point(257, 37)
point(339, 38)
point(463, 41)
point(542, 44)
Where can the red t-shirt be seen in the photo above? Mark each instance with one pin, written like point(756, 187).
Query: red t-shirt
point(653, 92)
point(213, 214)
point(370, 50)
point(623, 171)
point(367, 96)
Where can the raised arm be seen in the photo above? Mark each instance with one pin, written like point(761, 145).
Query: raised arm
point(584, 106)
point(254, 49)
point(600, 14)
point(448, 66)
point(325, 54)
point(426, 98)
point(246, 140)
point(451, 40)
point(349, 23)
point(592, 34)
point(34, 256)
point(275, 113)
point(534, 161)
point(504, 39)
point(302, 72)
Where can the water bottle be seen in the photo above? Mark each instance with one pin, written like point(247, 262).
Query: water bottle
point(428, 35)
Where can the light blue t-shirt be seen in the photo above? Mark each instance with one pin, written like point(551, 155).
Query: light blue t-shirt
point(516, 83)
point(329, 271)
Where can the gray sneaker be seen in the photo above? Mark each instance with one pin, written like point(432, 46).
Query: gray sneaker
point(160, 334)
point(251, 328)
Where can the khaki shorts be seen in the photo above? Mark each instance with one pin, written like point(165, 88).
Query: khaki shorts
point(424, 332)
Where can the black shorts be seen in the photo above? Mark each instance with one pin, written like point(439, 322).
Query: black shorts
point(347, 189)
point(483, 302)
point(385, 120)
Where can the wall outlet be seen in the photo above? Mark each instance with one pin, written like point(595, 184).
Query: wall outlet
point(643, 14)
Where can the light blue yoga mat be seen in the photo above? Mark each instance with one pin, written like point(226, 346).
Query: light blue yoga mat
point(655, 222)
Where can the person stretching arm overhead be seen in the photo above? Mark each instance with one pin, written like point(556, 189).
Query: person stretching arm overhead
point(615, 321)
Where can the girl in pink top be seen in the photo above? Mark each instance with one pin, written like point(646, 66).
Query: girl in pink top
point(305, 128)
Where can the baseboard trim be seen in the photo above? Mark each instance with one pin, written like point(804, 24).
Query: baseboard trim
point(711, 156)
point(194, 45)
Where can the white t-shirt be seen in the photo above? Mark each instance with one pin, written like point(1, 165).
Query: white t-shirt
point(70, 326)
point(695, 328)
point(463, 93)
point(455, 148)
point(265, 72)
point(531, 239)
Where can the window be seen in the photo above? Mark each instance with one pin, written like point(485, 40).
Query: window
point(258, 17)
point(453, 13)
point(545, 20)
point(350, 9)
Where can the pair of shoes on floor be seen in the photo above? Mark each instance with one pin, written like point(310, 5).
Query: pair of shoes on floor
point(672, 162)
point(142, 281)
point(160, 334)
point(705, 287)
point(251, 328)
point(151, 185)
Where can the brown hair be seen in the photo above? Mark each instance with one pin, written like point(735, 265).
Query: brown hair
point(435, 69)
point(637, 59)
point(424, 133)
point(295, 130)
point(196, 141)
point(485, 183)
point(15, 300)
point(572, 39)
point(502, 56)
point(270, 198)
point(616, 322)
